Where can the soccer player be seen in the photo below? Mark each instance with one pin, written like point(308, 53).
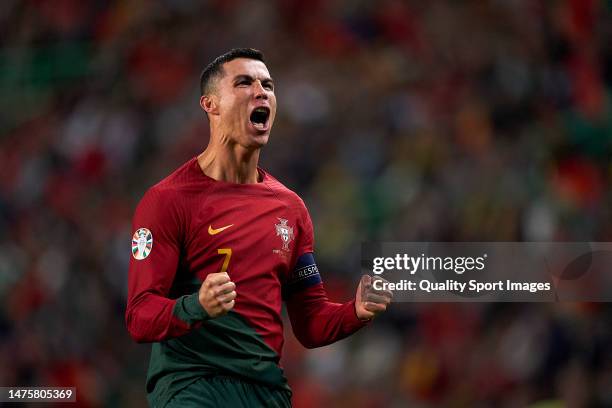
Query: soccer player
point(217, 246)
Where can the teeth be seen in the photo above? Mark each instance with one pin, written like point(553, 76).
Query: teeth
point(259, 118)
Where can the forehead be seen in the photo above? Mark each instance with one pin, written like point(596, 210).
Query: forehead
point(245, 66)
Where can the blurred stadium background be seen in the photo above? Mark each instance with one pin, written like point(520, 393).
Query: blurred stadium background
point(472, 120)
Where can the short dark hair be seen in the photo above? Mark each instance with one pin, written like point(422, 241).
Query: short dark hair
point(215, 68)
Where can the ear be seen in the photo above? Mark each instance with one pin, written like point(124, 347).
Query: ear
point(208, 104)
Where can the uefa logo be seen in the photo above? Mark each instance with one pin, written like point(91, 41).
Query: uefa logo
point(142, 242)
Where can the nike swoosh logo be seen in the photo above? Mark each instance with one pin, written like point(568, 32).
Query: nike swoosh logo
point(215, 231)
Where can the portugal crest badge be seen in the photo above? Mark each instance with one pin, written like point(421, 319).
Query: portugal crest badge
point(142, 242)
point(285, 232)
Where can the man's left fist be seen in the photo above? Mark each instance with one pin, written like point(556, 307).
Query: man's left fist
point(369, 302)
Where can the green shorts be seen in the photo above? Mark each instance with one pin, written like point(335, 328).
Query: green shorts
point(222, 391)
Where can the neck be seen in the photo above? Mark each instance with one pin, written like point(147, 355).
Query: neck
point(230, 163)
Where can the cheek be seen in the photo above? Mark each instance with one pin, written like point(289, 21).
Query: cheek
point(229, 107)
point(273, 105)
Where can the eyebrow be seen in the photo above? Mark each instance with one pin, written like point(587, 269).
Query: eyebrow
point(239, 78)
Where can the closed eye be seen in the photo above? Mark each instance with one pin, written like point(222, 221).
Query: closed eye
point(244, 80)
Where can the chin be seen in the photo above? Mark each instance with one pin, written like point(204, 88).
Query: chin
point(256, 141)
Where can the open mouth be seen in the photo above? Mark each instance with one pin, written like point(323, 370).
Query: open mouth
point(259, 117)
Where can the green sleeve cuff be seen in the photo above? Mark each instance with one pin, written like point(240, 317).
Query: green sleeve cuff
point(189, 309)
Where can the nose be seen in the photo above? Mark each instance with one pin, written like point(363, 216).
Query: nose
point(260, 92)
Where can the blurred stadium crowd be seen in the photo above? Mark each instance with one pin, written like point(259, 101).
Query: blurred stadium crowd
point(430, 121)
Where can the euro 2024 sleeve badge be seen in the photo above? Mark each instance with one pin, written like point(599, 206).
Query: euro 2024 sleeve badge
point(142, 243)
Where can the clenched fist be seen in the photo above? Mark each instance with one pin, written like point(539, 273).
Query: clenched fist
point(217, 294)
point(368, 301)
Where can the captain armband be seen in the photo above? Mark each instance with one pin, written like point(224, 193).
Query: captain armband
point(304, 274)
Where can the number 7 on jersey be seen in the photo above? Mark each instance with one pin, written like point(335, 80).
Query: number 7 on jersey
point(228, 254)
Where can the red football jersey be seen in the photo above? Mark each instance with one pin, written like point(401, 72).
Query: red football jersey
point(190, 225)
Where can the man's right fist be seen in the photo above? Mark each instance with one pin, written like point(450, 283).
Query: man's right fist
point(217, 294)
